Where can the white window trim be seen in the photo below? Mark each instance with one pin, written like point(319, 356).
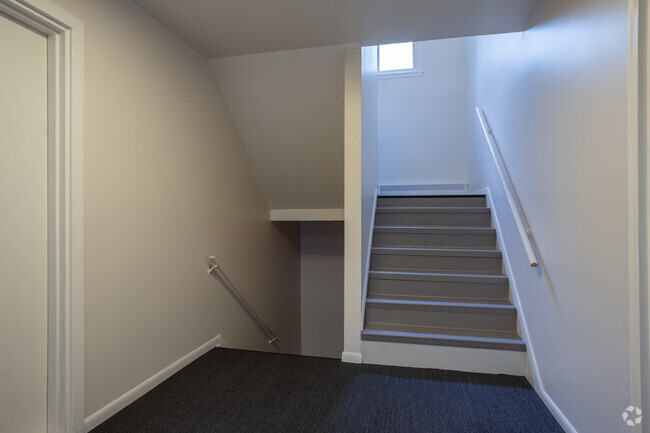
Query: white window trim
point(65, 357)
point(413, 72)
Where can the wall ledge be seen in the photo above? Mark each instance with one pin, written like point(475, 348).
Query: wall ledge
point(307, 214)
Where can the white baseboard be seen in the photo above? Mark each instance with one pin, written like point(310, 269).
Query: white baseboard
point(532, 374)
point(352, 357)
point(222, 342)
point(557, 413)
point(535, 377)
point(466, 359)
point(431, 189)
point(129, 397)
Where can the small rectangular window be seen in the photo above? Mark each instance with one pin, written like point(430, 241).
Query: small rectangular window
point(396, 57)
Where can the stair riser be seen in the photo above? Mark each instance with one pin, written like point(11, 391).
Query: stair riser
point(444, 342)
point(433, 219)
point(434, 240)
point(437, 289)
point(431, 201)
point(444, 357)
point(436, 263)
point(441, 318)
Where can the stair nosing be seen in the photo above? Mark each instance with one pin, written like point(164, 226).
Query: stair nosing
point(438, 274)
point(402, 303)
point(431, 336)
point(424, 251)
point(432, 196)
point(461, 229)
point(434, 209)
point(443, 299)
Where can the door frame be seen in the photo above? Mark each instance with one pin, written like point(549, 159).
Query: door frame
point(65, 352)
point(641, 117)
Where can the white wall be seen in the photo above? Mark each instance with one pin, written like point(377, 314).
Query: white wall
point(288, 108)
point(360, 185)
point(422, 120)
point(369, 137)
point(352, 275)
point(555, 97)
point(168, 183)
point(321, 293)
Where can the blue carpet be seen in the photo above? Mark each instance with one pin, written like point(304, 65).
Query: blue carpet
point(240, 391)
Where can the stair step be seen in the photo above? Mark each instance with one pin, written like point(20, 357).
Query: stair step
point(437, 314)
point(445, 200)
point(439, 299)
point(433, 216)
point(437, 285)
point(452, 259)
point(445, 337)
point(479, 307)
point(409, 236)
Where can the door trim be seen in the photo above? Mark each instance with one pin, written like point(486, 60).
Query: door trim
point(65, 388)
point(642, 101)
point(638, 201)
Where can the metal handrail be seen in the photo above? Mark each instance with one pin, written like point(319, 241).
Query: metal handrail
point(214, 266)
point(515, 206)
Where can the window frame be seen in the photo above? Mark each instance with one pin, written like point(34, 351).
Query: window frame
point(413, 72)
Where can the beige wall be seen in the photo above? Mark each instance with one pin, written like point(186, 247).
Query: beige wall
point(556, 99)
point(168, 183)
point(352, 228)
point(321, 293)
point(288, 108)
point(23, 229)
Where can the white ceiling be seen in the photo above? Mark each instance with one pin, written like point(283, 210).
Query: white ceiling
point(225, 28)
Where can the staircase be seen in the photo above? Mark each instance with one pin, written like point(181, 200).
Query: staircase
point(437, 293)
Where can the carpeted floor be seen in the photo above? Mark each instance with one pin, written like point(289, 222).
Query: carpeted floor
point(239, 391)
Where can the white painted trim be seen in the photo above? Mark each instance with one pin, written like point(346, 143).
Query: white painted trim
point(366, 272)
point(222, 342)
point(633, 206)
point(557, 413)
point(65, 47)
point(129, 397)
point(352, 357)
point(538, 382)
point(396, 74)
point(534, 368)
point(352, 266)
point(644, 201)
point(437, 188)
point(307, 214)
point(468, 359)
point(401, 73)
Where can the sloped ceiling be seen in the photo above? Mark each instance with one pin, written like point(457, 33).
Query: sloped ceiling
point(224, 28)
point(288, 108)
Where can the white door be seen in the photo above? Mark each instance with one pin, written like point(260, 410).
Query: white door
point(23, 229)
